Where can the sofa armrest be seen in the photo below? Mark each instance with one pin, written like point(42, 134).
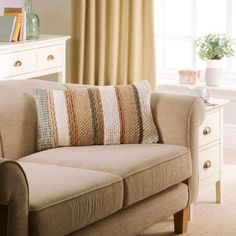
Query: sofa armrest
point(178, 118)
point(14, 199)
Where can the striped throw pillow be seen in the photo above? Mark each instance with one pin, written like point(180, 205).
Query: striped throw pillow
point(95, 116)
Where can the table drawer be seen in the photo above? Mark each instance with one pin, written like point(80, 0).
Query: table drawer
point(17, 63)
point(49, 57)
point(209, 162)
point(210, 129)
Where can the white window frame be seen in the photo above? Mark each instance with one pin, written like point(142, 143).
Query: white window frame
point(165, 73)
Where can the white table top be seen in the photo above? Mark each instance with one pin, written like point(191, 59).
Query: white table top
point(43, 38)
point(214, 103)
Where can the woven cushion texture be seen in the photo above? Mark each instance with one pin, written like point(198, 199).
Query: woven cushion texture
point(95, 116)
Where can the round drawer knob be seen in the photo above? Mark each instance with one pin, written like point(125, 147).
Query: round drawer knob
point(207, 130)
point(207, 164)
point(17, 64)
point(50, 57)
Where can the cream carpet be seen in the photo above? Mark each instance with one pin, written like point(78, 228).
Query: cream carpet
point(209, 218)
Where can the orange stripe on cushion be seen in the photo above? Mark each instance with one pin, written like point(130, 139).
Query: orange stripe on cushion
point(83, 119)
point(71, 116)
point(52, 120)
point(130, 119)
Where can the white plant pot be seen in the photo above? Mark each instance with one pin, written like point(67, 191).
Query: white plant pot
point(213, 73)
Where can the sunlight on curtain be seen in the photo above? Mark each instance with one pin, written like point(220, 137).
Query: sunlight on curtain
point(113, 42)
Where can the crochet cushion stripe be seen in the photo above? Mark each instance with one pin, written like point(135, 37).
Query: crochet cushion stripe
point(102, 115)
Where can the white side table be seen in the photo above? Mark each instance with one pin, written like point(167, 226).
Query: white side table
point(211, 147)
point(30, 59)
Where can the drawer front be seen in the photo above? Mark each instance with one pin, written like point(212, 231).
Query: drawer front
point(17, 63)
point(49, 57)
point(210, 129)
point(209, 162)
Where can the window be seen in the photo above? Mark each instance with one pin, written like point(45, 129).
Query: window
point(178, 23)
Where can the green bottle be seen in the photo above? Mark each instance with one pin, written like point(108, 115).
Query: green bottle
point(32, 23)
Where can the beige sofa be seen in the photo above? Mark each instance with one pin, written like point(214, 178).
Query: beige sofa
point(95, 190)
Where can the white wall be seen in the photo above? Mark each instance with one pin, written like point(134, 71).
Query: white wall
point(55, 18)
point(10, 3)
point(230, 125)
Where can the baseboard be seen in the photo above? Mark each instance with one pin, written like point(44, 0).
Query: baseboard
point(229, 136)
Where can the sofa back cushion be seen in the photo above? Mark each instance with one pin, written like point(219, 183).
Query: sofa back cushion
point(18, 119)
point(95, 116)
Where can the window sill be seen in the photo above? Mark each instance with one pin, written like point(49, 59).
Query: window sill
point(227, 91)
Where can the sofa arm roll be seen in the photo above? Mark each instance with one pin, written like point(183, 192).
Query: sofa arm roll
point(14, 199)
point(178, 118)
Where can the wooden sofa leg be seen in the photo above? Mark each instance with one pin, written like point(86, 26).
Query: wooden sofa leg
point(181, 221)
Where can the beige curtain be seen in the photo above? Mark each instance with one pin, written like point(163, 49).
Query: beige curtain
point(113, 41)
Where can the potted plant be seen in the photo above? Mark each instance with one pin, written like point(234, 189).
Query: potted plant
point(212, 48)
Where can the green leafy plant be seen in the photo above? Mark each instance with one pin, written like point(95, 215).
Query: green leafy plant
point(215, 47)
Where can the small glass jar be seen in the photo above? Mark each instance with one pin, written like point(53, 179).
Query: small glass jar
point(32, 23)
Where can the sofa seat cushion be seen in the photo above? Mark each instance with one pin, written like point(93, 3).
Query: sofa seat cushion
point(146, 169)
point(63, 199)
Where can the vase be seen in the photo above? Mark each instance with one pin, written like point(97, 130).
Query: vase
point(32, 23)
point(213, 73)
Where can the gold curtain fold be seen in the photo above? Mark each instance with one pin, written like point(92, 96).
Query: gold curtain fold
point(112, 42)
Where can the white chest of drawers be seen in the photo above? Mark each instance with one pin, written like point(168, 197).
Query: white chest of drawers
point(30, 59)
point(211, 148)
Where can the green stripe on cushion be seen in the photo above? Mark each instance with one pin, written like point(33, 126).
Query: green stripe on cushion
point(99, 116)
point(94, 118)
point(44, 137)
point(139, 113)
